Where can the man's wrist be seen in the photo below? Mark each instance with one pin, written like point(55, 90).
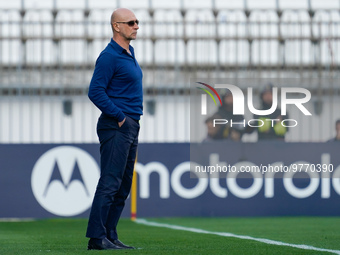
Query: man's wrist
point(121, 117)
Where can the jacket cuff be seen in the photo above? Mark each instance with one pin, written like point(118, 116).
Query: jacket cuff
point(121, 117)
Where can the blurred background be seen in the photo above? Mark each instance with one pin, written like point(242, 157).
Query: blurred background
point(48, 50)
point(49, 150)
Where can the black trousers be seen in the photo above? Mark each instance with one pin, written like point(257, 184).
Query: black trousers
point(118, 148)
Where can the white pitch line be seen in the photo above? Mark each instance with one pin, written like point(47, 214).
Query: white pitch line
point(262, 240)
point(16, 219)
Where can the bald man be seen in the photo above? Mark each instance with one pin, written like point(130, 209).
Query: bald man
point(116, 89)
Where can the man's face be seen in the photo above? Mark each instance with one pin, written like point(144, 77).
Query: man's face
point(228, 99)
point(337, 128)
point(267, 97)
point(212, 131)
point(127, 31)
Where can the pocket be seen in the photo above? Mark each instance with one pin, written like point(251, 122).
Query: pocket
point(106, 122)
point(124, 124)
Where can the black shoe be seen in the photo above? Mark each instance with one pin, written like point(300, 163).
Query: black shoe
point(102, 244)
point(121, 245)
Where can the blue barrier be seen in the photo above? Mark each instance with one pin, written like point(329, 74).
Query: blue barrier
point(49, 180)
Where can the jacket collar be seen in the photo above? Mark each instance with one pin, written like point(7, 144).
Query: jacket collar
point(119, 48)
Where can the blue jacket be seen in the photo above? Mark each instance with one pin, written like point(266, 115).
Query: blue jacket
point(116, 85)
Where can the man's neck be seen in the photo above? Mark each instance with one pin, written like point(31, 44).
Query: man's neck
point(122, 43)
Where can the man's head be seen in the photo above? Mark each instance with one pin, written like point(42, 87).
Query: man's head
point(267, 94)
point(228, 100)
point(124, 24)
point(337, 126)
point(214, 132)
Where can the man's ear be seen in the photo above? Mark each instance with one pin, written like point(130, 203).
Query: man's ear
point(115, 27)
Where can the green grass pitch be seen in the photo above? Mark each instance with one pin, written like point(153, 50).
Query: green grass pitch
point(67, 236)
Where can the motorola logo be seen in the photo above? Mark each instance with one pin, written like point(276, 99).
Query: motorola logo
point(64, 180)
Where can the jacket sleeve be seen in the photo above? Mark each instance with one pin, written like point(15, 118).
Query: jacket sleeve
point(103, 73)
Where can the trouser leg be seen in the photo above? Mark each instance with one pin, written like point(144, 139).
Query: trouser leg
point(119, 199)
point(116, 145)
